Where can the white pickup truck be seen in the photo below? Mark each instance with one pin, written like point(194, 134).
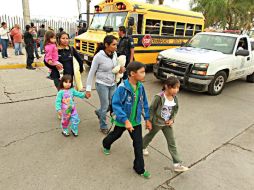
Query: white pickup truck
point(208, 61)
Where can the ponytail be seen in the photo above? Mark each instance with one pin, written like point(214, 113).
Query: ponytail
point(100, 47)
point(107, 40)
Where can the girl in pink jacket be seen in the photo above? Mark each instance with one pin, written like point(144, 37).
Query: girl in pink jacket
point(51, 51)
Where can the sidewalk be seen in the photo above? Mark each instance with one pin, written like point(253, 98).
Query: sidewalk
point(15, 62)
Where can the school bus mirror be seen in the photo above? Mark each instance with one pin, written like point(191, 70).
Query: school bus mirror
point(131, 21)
point(108, 29)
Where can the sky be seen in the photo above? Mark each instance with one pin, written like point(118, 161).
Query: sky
point(63, 8)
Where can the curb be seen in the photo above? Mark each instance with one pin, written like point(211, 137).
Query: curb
point(20, 65)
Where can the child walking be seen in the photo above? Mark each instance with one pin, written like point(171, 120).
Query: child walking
point(163, 110)
point(51, 51)
point(128, 103)
point(65, 106)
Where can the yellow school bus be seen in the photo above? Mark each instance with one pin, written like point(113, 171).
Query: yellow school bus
point(153, 27)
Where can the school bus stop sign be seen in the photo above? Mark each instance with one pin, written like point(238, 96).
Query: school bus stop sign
point(147, 40)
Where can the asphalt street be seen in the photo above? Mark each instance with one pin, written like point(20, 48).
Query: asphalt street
point(214, 136)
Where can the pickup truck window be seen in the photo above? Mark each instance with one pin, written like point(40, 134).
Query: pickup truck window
point(223, 44)
point(252, 46)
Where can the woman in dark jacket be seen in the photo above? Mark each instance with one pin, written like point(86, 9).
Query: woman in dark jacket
point(65, 57)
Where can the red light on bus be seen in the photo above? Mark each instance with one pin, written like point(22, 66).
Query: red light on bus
point(119, 6)
point(97, 8)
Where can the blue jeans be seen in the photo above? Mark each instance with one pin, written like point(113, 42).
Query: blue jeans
point(105, 94)
point(4, 47)
point(42, 45)
point(18, 48)
point(36, 50)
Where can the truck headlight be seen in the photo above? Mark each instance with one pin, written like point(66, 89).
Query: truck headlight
point(200, 68)
point(159, 58)
point(77, 44)
point(201, 65)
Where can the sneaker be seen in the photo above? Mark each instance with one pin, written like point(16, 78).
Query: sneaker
point(75, 134)
point(65, 132)
point(106, 151)
point(145, 152)
point(5, 57)
point(180, 168)
point(104, 131)
point(30, 68)
point(146, 175)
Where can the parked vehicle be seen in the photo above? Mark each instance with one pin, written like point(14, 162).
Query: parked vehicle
point(208, 61)
point(153, 28)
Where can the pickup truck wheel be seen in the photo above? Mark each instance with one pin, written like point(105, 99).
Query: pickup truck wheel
point(217, 84)
point(250, 78)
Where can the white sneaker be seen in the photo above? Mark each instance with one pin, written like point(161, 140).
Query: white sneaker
point(145, 152)
point(180, 168)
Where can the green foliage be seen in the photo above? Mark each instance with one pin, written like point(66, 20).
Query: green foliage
point(233, 14)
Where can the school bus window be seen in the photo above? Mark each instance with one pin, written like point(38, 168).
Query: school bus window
point(115, 20)
point(168, 28)
point(189, 30)
point(180, 29)
point(152, 26)
point(140, 24)
point(134, 27)
point(198, 29)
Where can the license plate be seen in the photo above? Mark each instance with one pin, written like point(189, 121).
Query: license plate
point(169, 75)
point(85, 57)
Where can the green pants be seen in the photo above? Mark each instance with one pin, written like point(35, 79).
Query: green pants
point(169, 135)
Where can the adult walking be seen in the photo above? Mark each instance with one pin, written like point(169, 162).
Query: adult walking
point(28, 39)
point(4, 39)
point(125, 47)
point(41, 34)
point(65, 57)
point(35, 37)
point(17, 39)
point(103, 63)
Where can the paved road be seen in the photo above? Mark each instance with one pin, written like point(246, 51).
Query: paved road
point(214, 137)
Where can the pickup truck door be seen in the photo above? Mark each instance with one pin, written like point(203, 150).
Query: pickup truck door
point(241, 64)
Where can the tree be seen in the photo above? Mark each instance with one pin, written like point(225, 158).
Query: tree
point(26, 12)
point(153, 1)
point(233, 14)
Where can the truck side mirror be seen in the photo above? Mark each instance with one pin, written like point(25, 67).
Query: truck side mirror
point(243, 52)
point(131, 21)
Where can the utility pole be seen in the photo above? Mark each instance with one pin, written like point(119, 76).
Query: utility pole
point(79, 6)
point(88, 11)
point(26, 12)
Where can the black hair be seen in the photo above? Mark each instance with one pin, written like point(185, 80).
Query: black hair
point(61, 29)
point(28, 27)
point(66, 78)
point(60, 35)
point(84, 24)
point(3, 23)
point(123, 29)
point(43, 26)
point(32, 24)
point(107, 40)
point(171, 82)
point(134, 67)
